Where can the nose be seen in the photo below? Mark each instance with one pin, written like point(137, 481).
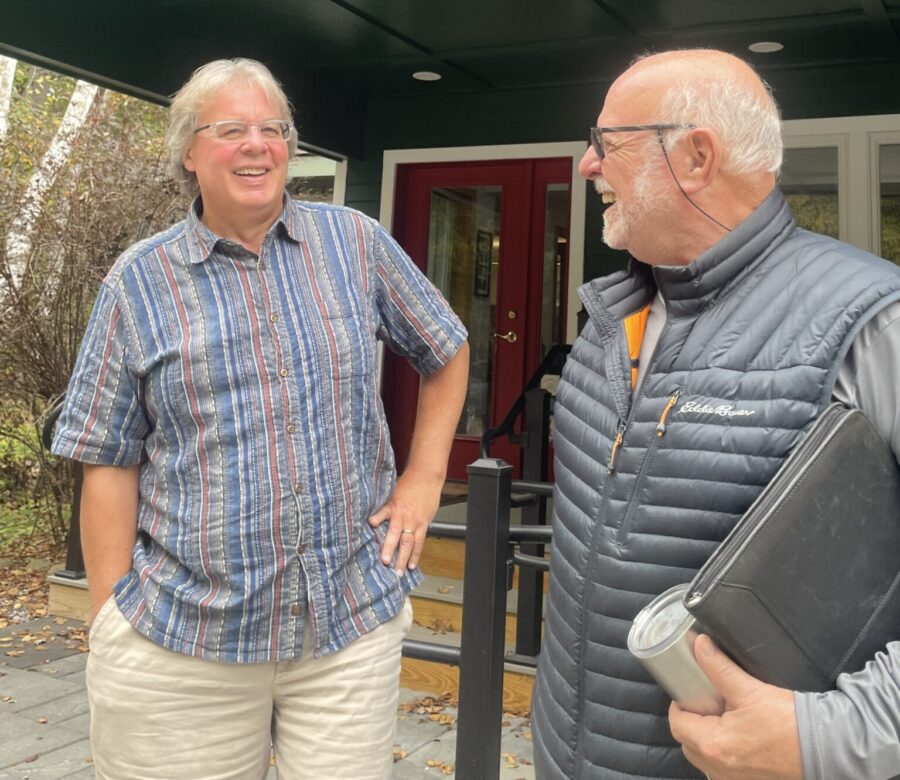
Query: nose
point(590, 164)
point(254, 139)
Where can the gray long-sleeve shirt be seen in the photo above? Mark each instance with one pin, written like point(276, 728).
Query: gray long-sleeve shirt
point(853, 732)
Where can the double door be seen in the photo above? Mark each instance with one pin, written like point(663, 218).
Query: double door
point(493, 237)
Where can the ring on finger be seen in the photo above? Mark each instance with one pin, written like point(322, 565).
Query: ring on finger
point(408, 531)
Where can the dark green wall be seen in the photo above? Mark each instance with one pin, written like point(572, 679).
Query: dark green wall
point(467, 119)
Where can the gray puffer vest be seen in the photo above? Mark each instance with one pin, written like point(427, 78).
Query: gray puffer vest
point(756, 330)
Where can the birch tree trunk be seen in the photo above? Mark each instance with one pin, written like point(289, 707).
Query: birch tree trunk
point(21, 231)
point(7, 78)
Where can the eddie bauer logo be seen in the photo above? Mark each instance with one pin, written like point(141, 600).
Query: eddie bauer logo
point(722, 410)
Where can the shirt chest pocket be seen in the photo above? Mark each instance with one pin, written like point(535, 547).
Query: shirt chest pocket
point(347, 346)
point(343, 339)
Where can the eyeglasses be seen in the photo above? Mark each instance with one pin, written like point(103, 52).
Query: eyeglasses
point(597, 133)
point(235, 130)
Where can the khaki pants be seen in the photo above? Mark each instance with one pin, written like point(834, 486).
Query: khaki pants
point(160, 715)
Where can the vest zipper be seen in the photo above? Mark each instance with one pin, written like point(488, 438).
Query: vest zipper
point(661, 427)
point(622, 531)
point(617, 443)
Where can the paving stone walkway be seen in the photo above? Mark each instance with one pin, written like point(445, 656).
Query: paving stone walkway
point(44, 717)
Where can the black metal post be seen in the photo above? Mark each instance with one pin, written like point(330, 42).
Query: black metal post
point(485, 584)
point(74, 557)
point(534, 467)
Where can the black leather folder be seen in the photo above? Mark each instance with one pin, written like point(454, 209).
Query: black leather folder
point(807, 584)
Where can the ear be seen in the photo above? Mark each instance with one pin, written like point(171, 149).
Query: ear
point(188, 162)
point(703, 157)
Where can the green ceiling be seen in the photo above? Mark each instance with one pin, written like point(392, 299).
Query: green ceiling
point(340, 58)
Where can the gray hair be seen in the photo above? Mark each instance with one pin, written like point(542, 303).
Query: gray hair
point(748, 123)
point(197, 91)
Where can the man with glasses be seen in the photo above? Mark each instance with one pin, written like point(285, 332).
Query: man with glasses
point(700, 367)
point(248, 544)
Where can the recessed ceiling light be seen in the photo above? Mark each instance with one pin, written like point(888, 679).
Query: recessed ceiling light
point(765, 47)
point(426, 75)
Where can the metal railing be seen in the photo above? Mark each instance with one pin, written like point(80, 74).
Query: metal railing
point(74, 558)
point(490, 558)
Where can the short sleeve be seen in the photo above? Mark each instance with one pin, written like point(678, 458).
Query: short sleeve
point(102, 421)
point(416, 320)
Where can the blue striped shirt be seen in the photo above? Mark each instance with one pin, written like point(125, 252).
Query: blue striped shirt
point(246, 387)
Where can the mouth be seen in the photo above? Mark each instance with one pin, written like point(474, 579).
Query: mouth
point(250, 172)
point(607, 195)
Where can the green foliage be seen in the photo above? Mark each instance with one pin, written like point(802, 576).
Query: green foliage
point(818, 213)
point(890, 228)
point(22, 520)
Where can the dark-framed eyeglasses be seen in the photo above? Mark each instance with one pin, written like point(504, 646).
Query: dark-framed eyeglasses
point(235, 130)
point(597, 133)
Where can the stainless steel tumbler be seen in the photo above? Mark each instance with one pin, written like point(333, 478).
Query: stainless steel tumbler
point(662, 639)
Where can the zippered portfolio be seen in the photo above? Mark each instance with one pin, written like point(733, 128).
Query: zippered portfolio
point(805, 586)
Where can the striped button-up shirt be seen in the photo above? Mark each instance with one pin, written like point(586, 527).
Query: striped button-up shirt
point(246, 387)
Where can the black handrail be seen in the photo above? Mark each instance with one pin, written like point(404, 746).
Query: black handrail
point(492, 550)
point(74, 557)
point(551, 364)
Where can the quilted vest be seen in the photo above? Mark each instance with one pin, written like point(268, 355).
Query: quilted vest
point(649, 483)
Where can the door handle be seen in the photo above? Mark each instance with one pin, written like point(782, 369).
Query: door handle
point(511, 337)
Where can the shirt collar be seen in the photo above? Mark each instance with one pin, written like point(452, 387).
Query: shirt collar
point(202, 242)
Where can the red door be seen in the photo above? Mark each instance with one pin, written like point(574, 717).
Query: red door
point(493, 237)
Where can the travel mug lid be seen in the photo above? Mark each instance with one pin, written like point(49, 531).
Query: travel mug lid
point(661, 623)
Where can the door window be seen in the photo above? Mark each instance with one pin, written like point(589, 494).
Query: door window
point(463, 257)
point(556, 252)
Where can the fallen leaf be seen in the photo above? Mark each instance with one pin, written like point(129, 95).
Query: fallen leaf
point(441, 625)
point(399, 754)
point(41, 720)
point(14, 653)
point(511, 762)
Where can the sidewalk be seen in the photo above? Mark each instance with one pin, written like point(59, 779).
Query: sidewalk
point(44, 715)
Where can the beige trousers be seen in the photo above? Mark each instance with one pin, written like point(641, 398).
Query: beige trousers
point(160, 715)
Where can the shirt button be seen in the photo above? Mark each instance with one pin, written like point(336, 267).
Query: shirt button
point(273, 318)
point(284, 372)
point(295, 610)
point(298, 488)
point(290, 428)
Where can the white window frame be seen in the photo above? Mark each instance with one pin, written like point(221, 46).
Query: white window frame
point(876, 141)
point(841, 142)
point(859, 194)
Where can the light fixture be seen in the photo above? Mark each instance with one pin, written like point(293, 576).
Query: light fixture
point(765, 47)
point(426, 75)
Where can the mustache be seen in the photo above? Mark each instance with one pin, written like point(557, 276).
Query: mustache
point(601, 186)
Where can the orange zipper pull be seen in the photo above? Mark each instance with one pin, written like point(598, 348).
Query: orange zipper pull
point(617, 443)
point(661, 427)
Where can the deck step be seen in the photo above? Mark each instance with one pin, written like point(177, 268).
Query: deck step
point(518, 680)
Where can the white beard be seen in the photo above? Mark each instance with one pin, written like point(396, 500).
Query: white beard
point(628, 214)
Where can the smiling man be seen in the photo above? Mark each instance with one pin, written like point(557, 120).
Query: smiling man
point(700, 367)
point(249, 546)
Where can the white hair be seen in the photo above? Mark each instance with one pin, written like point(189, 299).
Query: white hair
point(748, 123)
point(189, 101)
